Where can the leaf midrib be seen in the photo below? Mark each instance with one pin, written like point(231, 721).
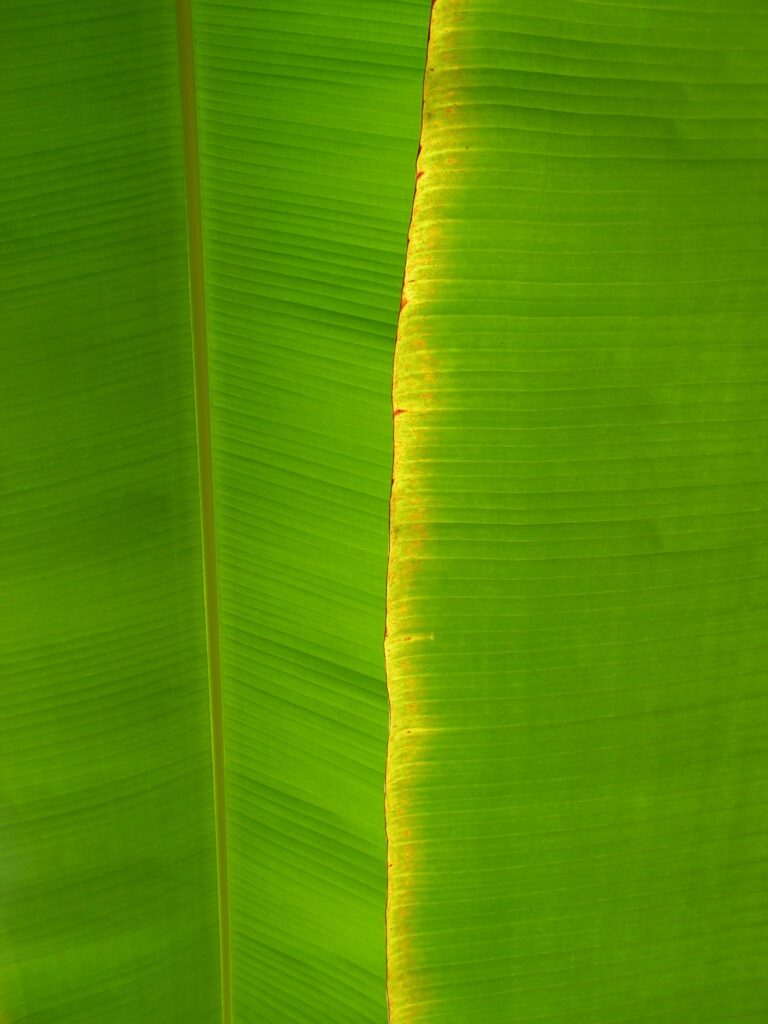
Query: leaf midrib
point(203, 418)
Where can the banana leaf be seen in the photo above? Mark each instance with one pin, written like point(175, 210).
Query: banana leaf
point(577, 596)
point(206, 210)
point(145, 877)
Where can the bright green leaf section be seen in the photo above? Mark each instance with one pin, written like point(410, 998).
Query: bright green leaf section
point(309, 120)
point(107, 873)
point(577, 628)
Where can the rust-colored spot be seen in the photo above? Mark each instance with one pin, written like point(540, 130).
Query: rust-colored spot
point(399, 412)
point(403, 302)
point(419, 174)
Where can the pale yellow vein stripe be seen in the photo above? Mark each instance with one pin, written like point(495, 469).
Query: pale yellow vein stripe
point(205, 460)
point(389, 808)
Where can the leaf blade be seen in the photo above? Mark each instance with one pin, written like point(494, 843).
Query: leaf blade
point(576, 594)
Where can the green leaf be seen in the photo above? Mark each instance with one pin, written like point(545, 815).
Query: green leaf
point(309, 124)
point(108, 871)
point(577, 596)
point(205, 215)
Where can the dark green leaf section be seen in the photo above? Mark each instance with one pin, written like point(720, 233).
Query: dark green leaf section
point(577, 622)
point(107, 872)
point(309, 120)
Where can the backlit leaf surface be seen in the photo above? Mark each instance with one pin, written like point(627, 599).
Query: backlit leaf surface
point(309, 121)
point(577, 594)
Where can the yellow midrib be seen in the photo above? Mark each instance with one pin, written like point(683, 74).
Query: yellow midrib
point(205, 461)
